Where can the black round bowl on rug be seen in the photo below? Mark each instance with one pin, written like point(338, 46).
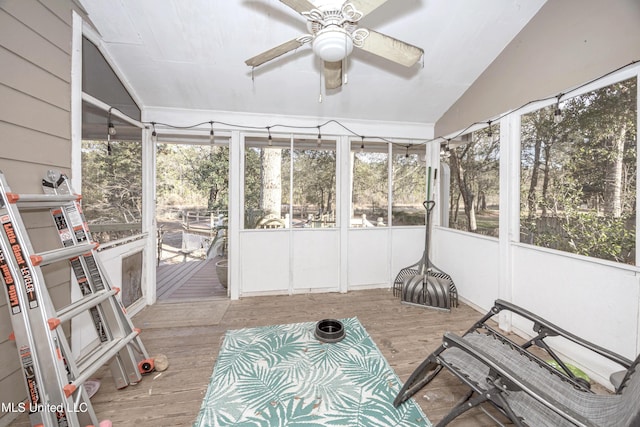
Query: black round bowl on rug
point(329, 330)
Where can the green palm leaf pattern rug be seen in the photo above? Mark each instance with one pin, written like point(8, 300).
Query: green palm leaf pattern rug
point(282, 375)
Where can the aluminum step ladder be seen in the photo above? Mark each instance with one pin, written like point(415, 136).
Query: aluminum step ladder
point(54, 379)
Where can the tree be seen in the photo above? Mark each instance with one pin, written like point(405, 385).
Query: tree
point(370, 188)
point(589, 163)
point(458, 171)
point(112, 181)
point(209, 174)
point(315, 178)
point(475, 176)
point(606, 119)
point(408, 178)
point(271, 173)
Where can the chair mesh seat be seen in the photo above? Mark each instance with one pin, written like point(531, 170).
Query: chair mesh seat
point(522, 385)
point(604, 410)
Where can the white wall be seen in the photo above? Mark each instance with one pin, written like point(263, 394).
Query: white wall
point(288, 261)
point(264, 263)
point(594, 299)
point(315, 260)
point(111, 265)
point(407, 247)
point(368, 258)
point(472, 261)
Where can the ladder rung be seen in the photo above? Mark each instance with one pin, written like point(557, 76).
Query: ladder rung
point(101, 357)
point(39, 201)
point(48, 257)
point(44, 348)
point(84, 304)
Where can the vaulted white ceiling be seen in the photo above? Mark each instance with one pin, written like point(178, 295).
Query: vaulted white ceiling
point(189, 54)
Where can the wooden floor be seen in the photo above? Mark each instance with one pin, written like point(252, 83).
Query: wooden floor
point(188, 281)
point(190, 335)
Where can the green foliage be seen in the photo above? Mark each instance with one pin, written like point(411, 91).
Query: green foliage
point(210, 175)
point(601, 237)
point(370, 178)
point(193, 175)
point(252, 180)
point(578, 180)
point(408, 178)
point(577, 372)
point(475, 181)
point(585, 233)
point(112, 183)
point(314, 178)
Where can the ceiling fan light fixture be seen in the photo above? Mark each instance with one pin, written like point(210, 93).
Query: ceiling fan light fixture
point(333, 44)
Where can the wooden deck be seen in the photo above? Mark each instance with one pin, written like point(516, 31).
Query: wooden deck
point(190, 334)
point(188, 280)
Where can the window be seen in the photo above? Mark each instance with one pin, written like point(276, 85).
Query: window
point(314, 184)
point(290, 188)
point(578, 174)
point(266, 183)
point(370, 188)
point(192, 178)
point(111, 165)
point(475, 181)
point(409, 189)
point(192, 196)
point(112, 184)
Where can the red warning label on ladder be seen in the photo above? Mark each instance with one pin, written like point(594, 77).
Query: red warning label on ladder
point(25, 271)
point(12, 293)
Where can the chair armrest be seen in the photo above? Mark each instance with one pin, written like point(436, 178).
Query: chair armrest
point(545, 328)
point(617, 378)
point(513, 380)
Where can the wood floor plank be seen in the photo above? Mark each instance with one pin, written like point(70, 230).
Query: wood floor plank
point(404, 334)
point(189, 281)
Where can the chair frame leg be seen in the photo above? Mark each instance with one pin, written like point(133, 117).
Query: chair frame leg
point(462, 406)
point(420, 377)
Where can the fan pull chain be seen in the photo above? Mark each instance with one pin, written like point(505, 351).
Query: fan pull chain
point(344, 71)
point(345, 80)
point(320, 86)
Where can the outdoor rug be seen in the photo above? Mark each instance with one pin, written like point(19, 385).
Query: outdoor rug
point(282, 375)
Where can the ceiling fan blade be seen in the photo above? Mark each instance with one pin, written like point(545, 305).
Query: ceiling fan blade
point(299, 5)
point(391, 49)
point(366, 6)
point(273, 53)
point(332, 74)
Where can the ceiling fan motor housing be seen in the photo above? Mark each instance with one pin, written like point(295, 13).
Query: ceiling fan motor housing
point(333, 43)
point(333, 33)
point(332, 29)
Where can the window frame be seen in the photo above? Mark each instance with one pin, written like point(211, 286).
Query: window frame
point(618, 76)
point(288, 142)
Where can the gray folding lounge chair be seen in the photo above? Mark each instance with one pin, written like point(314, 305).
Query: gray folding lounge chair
point(523, 387)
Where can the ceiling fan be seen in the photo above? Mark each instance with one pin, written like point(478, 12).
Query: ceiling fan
point(333, 34)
